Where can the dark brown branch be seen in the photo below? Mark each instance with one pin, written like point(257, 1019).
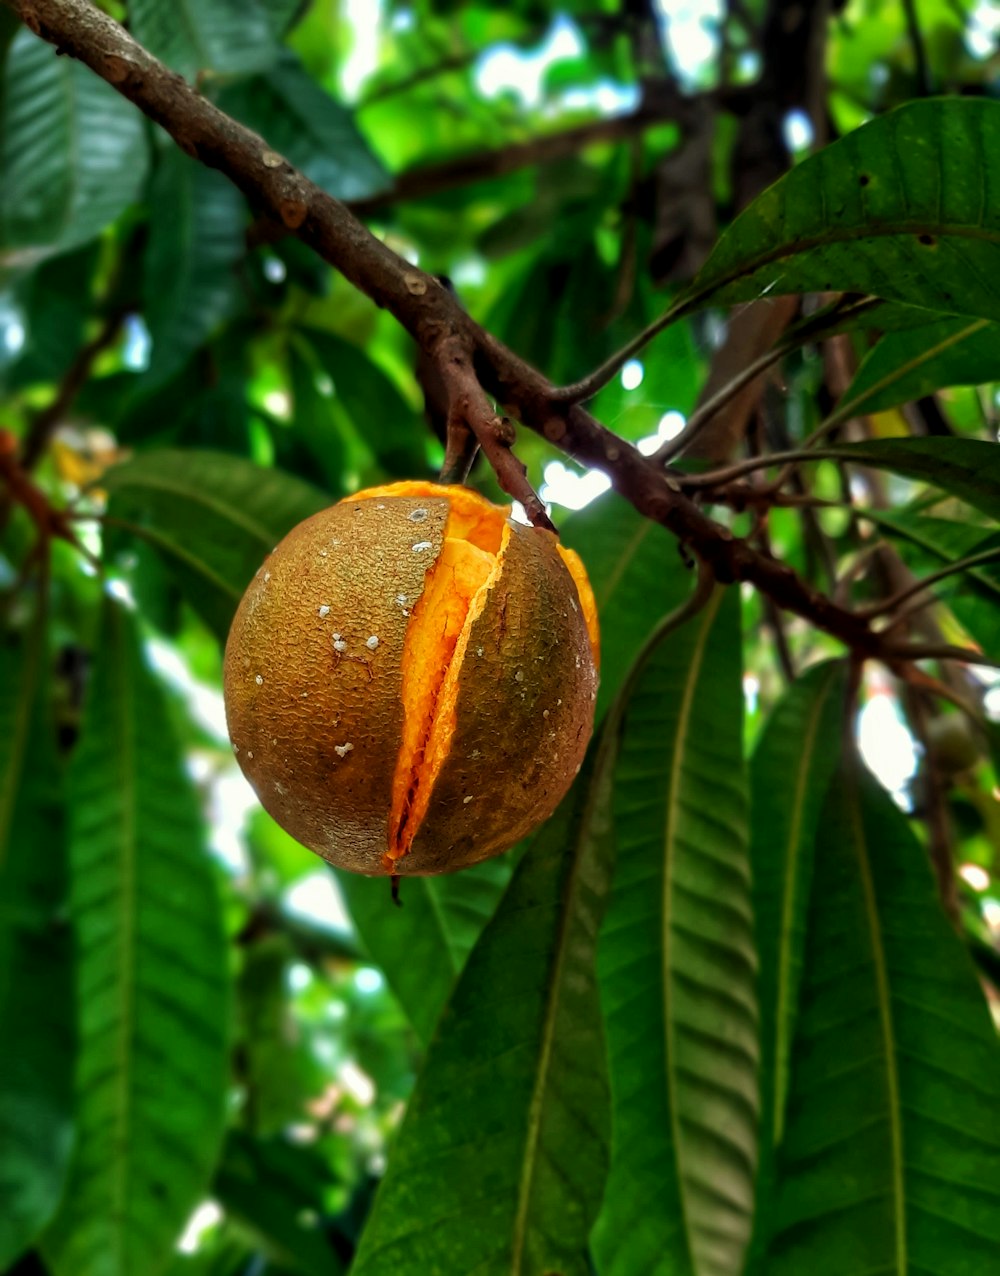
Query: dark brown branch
point(436, 321)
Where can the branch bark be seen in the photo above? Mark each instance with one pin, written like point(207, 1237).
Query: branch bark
point(464, 352)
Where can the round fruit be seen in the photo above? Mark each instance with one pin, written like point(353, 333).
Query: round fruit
point(410, 679)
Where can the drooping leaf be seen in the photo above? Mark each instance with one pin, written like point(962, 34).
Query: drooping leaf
point(792, 766)
point(275, 1191)
point(678, 967)
point(309, 127)
point(928, 544)
point(195, 241)
point(73, 153)
point(500, 1162)
point(902, 208)
point(967, 468)
point(422, 947)
point(212, 517)
point(194, 36)
point(637, 576)
point(914, 362)
point(152, 979)
point(891, 1156)
point(36, 971)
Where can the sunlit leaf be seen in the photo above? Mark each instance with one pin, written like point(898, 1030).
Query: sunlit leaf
point(213, 518)
point(73, 154)
point(500, 1162)
point(891, 1155)
point(678, 967)
point(36, 973)
point(152, 980)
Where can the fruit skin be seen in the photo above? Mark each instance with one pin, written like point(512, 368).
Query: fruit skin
point(524, 707)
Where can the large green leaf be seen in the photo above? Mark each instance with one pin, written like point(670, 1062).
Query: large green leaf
point(422, 947)
point(678, 967)
point(152, 982)
point(212, 517)
point(913, 362)
point(195, 242)
point(637, 575)
point(36, 971)
point(195, 36)
point(904, 207)
point(73, 153)
point(792, 766)
point(309, 127)
point(967, 468)
point(891, 1156)
point(55, 300)
point(500, 1162)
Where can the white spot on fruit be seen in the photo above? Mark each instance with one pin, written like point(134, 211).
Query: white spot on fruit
point(250, 754)
point(259, 680)
point(466, 801)
point(339, 644)
point(420, 546)
point(519, 676)
point(417, 516)
point(401, 599)
point(267, 577)
point(236, 748)
point(479, 651)
point(545, 713)
point(324, 611)
point(372, 642)
point(342, 750)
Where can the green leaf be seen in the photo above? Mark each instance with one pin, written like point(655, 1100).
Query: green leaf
point(309, 127)
point(967, 468)
point(909, 364)
point(73, 154)
point(903, 208)
point(422, 947)
point(195, 242)
point(637, 575)
point(36, 971)
point(792, 766)
point(270, 1188)
point(314, 429)
point(152, 979)
point(927, 544)
point(499, 1165)
point(212, 517)
point(193, 36)
point(55, 301)
point(891, 1157)
point(678, 967)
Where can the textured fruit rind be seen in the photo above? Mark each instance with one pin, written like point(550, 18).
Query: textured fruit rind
point(314, 676)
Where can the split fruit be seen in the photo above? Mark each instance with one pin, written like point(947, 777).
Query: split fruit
point(410, 679)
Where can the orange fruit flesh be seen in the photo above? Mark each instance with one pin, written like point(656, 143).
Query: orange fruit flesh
point(455, 589)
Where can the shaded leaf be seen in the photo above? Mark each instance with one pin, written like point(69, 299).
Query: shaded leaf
point(275, 1191)
point(212, 517)
point(309, 127)
point(499, 1165)
point(74, 153)
point(678, 966)
point(193, 36)
point(904, 207)
point(36, 972)
point(967, 468)
point(55, 300)
point(891, 1157)
point(152, 980)
point(195, 241)
point(792, 766)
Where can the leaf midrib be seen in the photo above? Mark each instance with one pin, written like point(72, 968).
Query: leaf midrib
point(885, 1023)
point(851, 407)
point(198, 497)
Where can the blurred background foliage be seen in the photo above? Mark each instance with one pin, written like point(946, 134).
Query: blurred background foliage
point(241, 1027)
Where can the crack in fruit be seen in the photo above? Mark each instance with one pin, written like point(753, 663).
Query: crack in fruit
point(455, 590)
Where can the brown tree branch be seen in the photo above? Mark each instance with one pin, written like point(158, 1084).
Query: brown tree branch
point(473, 363)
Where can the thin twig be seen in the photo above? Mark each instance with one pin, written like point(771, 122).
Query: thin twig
point(950, 569)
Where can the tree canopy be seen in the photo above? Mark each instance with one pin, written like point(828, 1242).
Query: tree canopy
point(711, 291)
